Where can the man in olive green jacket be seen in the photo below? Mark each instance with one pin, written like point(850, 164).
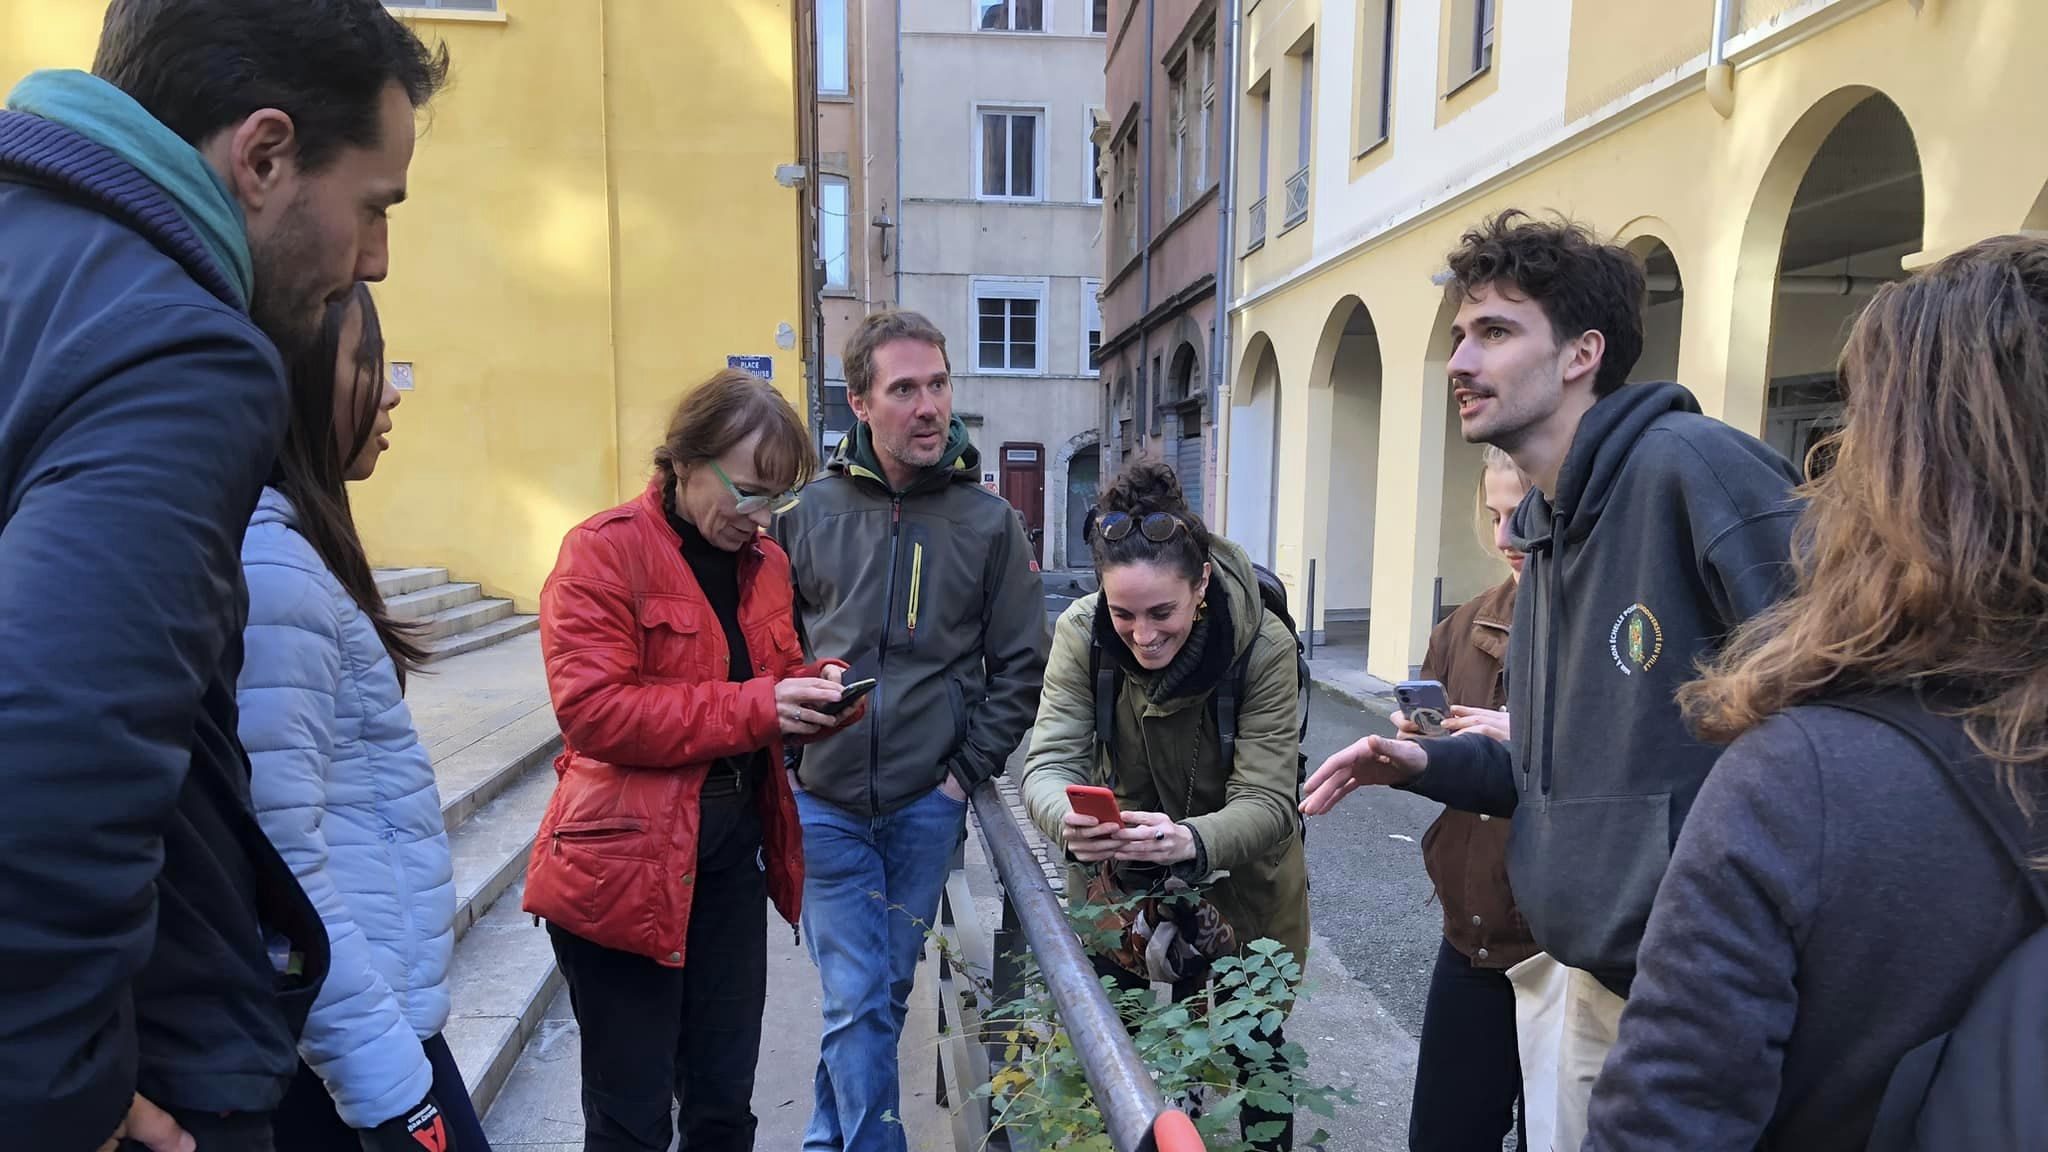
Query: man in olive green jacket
point(909, 571)
point(1167, 756)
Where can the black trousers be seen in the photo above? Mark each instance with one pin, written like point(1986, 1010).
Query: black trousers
point(691, 1035)
point(1468, 1072)
point(1188, 990)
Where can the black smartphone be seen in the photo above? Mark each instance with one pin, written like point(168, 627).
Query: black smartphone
point(849, 694)
point(1425, 705)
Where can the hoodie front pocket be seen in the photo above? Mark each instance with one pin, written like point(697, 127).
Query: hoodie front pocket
point(1585, 873)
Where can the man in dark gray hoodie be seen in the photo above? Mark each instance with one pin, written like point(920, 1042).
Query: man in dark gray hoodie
point(1651, 531)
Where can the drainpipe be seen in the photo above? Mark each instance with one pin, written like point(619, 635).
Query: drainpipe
point(902, 206)
point(811, 205)
point(1720, 73)
point(1146, 384)
point(1226, 265)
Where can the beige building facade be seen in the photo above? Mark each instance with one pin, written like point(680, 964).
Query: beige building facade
point(1771, 161)
point(962, 140)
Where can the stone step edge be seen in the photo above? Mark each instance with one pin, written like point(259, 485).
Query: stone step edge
point(482, 637)
point(524, 803)
point(486, 1045)
point(532, 739)
point(400, 581)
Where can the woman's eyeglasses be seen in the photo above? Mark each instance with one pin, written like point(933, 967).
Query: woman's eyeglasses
point(747, 504)
point(1158, 527)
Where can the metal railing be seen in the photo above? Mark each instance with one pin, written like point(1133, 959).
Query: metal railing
point(1297, 198)
point(1255, 226)
point(1134, 1112)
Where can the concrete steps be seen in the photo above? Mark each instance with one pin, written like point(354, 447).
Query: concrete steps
point(491, 731)
point(450, 618)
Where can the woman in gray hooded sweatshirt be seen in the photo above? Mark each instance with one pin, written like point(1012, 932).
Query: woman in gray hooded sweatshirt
point(1834, 900)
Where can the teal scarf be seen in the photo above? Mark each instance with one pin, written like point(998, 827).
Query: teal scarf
point(112, 119)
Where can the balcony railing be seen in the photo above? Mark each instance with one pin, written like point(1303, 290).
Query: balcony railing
point(1297, 198)
point(1255, 227)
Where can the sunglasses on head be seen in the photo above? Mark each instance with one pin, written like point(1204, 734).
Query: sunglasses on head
point(748, 503)
point(1158, 527)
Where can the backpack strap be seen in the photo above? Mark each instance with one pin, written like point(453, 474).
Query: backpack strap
point(1946, 743)
point(1108, 681)
point(1227, 699)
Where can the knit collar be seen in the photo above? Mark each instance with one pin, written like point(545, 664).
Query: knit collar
point(111, 118)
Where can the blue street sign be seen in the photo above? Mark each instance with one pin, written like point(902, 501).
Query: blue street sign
point(762, 366)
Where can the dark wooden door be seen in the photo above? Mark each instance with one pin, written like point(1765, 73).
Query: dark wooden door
point(1023, 475)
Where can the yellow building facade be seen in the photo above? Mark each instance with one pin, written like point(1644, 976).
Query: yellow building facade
point(1770, 183)
point(595, 224)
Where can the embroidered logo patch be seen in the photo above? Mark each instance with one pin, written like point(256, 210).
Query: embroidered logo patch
point(1636, 640)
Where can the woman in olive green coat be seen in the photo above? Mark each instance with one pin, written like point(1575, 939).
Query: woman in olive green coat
point(1177, 610)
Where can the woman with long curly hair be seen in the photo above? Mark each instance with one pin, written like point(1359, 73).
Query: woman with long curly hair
point(1836, 899)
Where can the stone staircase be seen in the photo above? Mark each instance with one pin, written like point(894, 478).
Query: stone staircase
point(487, 722)
point(452, 618)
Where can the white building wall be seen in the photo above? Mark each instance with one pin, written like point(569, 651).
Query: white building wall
point(1534, 49)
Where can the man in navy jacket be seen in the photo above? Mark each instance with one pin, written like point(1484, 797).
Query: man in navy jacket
point(168, 224)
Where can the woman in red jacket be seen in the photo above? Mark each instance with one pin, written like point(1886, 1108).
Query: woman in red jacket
point(673, 661)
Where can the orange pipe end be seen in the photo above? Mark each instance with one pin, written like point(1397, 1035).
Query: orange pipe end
point(1174, 1132)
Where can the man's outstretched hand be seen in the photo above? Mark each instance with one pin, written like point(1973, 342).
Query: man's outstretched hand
point(1373, 760)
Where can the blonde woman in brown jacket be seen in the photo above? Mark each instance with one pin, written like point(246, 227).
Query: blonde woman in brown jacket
point(1468, 1074)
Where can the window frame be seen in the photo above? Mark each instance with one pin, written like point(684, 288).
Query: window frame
point(1485, 14)
point(1376, 127)
point(1305, 114)
point(1041, 149)
point(1092, 29)
point(1177, 134)
point(1045, 18)
point(1205, 51)
point(1266, 136)
point(1092, 189)
point(1091, 309)
point(1034, 288)
point(844, 52)
point(829, 181)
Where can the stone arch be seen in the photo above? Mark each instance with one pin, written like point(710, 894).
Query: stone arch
point(1068, 495)
point(1464, 567)
point(1251, 516)
point(1771, 247)
point(1664, 303)
point(1345, 390)
point(2037, 216)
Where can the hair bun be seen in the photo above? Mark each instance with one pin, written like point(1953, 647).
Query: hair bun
point(1146, 485)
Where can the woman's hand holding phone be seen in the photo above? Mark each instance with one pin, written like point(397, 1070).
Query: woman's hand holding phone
point(1089, 840)
point(796, 705)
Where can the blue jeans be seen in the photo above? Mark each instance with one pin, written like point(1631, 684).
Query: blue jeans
point(871, 891)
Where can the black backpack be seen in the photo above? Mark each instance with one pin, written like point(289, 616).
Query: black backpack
point(1229, 696)
point(1984, 1084)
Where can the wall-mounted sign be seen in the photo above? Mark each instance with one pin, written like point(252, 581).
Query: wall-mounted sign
point(762, 366)
point(401, 375)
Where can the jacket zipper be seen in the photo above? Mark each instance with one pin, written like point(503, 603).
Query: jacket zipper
point(881, 664)
point(916, 586)
point(1547, 679)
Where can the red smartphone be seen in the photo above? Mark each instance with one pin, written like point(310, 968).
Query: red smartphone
point(1091, 800)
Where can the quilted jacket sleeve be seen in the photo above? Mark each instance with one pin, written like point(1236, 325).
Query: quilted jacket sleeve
point(357, 1037)
point(590, 638)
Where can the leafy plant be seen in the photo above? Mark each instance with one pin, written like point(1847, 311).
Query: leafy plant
point(1211, 1053)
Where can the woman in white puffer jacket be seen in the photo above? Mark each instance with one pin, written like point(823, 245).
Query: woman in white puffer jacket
point(340, 780)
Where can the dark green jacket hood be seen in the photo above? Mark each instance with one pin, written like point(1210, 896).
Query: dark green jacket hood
point(856, 456)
